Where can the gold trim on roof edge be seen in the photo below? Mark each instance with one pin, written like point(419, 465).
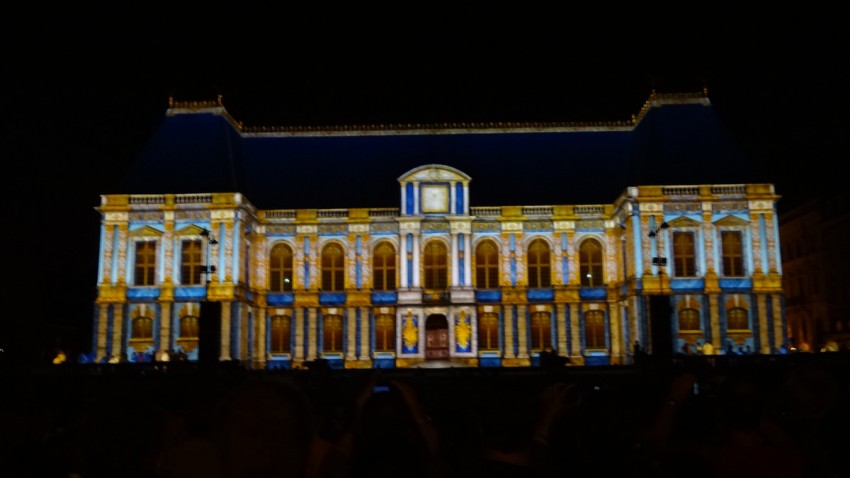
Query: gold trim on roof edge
point(655, 99)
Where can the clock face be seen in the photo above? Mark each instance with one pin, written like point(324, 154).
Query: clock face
point(435, 198)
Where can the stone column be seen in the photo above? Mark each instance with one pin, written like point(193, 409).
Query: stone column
point(165, 327)
point(363, 352)
point(300, 333)
point(467, 258)
point(560, 320)
point(417, 279)
point(615, 335)
point(224, 353)
point(508, 319)
point(351, 331)
point(118, 332)
point(574, 330)
point(312, 333)
point(763, 327)
point(455, 263)
point(714, 317)
point(102, 325)
point(778, 332)
point(522, 330)
point(260, 352)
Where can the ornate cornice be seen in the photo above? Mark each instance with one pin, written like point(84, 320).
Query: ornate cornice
point(655, 99)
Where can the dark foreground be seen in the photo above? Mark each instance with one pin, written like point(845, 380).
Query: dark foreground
point(692, 416)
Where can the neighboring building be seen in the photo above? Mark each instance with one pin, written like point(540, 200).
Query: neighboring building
point(214, 236)
point(814, 259)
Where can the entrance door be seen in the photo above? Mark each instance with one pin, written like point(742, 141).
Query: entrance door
point(436, 338)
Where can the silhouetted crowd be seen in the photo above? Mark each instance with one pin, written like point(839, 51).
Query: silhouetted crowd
point(789, 418)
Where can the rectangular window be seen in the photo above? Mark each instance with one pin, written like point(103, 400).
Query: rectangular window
point(733, 255)
point(332, 333)
point(541, 331)
point(384, 333)
point(145, 263)
point(280, 330)
point(594, 329)
point(488, 331)
point(190, 262)
point(684, 255)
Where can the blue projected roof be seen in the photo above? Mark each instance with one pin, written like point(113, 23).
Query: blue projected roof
point(203, 150)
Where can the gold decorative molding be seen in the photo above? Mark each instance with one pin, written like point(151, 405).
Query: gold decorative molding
point(359, 298)
point(514, 296)
point(112, 294)
point(306, 299)
point(220, 291)
point(566, 295)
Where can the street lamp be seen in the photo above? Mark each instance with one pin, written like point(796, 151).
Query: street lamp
point(659, 261)
point(208, 269)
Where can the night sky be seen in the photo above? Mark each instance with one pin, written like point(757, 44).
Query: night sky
point(84, 90)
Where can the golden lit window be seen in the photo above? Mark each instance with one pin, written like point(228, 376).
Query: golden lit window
point(487, 265)
point(488, 331)
point(435, 266)
point(189, 327)
point(541, 331)
point(689, 320)
point(384, 267)
point(733, 255)
point(539, 268)
point(333, 267)
point(188, 337)
point(384, 333)
point(142, 328)
point(332, 333)
point(280, 268)
point(684, 255)
point(737, 319)
point(191, 262)
point(590, 263)
point(279, 334)
point(594, 329)
point(145, 263)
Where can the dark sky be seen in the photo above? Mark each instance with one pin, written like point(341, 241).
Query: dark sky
point(83, 91)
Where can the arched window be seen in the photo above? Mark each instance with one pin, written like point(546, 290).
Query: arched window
point(280, 268)
point(384, 333)
point(188, 338)
point(590, 263)
point(487, 265)
point(384, 267)
point(594, 329)
point(684, 254)
point(279, 334)
point(541, 331)
point(141, 338)
point(733, 255)
point(435, 265)
point(189, 327)
point(143, 328)
point(737, 319)
point(488, 331)
point(539, 269)
point(333, 267)
point(332, 333)
point(191, 262)
point(689, 320)
point(145, 263)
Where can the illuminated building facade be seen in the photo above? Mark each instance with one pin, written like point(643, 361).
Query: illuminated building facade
point(433, 278)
